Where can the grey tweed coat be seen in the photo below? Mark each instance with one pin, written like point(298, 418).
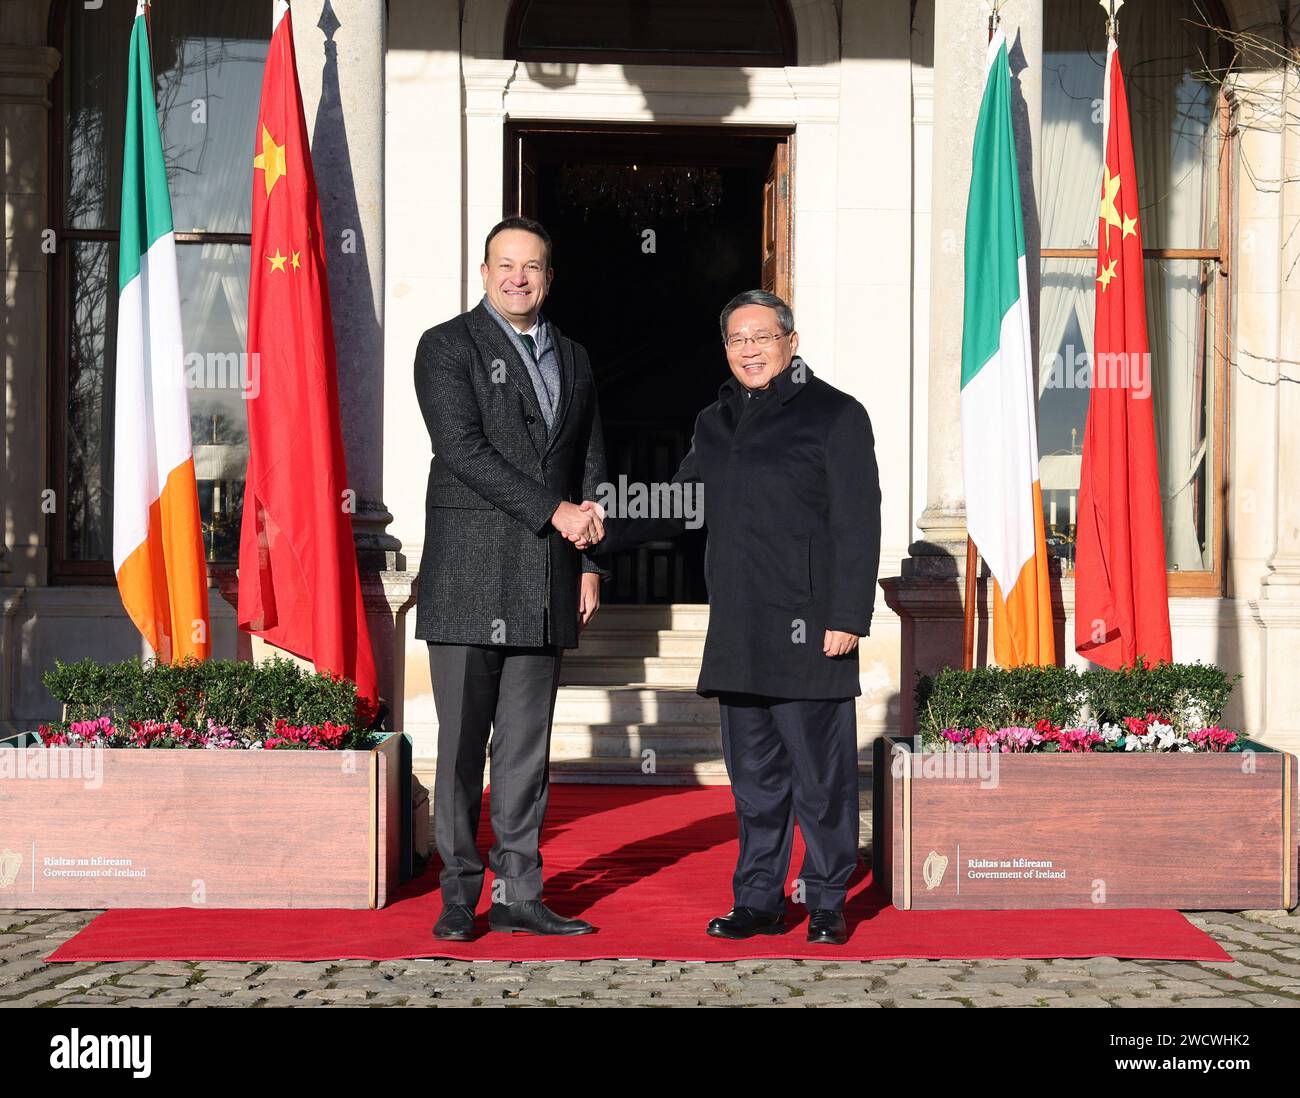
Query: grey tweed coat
point(494, 570)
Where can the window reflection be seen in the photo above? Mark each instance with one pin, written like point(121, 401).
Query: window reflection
point(208, 59)
point(1172, 97)
point(88, 450)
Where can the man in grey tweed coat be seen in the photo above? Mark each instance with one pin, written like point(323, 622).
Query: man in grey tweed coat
point(518, 454)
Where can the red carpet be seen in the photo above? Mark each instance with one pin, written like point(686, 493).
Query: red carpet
point(649, 867)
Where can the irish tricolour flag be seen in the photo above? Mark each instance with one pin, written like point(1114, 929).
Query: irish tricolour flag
point(1004, 510)
point(157, 541)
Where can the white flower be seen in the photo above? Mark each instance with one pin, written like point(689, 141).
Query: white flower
point(1111, 732)
point(1168, 738)
point(1145, 742)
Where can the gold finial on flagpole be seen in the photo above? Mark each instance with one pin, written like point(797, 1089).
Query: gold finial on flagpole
point(1111, 8)
point(995, 17)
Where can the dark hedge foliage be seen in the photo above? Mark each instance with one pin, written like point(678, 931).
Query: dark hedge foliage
point(1189, 695)
point(245, 697)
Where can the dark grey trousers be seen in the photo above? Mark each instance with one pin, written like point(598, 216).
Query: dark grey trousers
point(509, 692)
point(788, 760)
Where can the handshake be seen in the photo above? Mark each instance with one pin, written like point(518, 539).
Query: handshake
point(581, 523)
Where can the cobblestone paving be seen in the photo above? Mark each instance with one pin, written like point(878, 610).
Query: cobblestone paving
point(1266, 973)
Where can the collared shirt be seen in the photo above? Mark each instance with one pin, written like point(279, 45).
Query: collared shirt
point(544, 370)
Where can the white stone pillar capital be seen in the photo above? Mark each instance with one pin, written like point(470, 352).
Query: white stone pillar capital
point(817, 92)
point(25, 73)
point(486, 81)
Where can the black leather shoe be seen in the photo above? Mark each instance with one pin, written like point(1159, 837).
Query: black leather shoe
point(826, 927)
point(455, 924)
point(533, 917)
point(745, 922)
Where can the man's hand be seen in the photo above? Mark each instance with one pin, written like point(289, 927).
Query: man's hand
point(589, 505)
point(588, 597)
point(581, 525)
point(838, 644)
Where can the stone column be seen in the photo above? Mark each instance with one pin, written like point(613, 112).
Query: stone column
point(485, 115)
point(340, 46)
point(25, 72)
point(1279, 605)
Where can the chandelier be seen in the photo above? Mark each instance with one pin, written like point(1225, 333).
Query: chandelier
point(639, 192)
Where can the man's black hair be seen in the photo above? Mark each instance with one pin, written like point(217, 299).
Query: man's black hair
point(528, 225)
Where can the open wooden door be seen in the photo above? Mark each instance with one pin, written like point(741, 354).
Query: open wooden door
point(720, 201)
point(521, 175)
point(778, 224)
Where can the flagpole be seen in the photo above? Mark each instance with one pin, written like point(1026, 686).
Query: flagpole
point(968, 627)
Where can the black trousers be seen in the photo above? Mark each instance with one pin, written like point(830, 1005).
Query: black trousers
point(509, 692)
point(792, 760)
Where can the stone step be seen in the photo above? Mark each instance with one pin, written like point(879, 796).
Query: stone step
point(683, 671)
point(667, 771)
point(651, 616)
point(628, 741)
point(634, 703)
point(637, 643)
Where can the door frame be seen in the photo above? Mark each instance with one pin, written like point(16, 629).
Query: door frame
point(515, 185)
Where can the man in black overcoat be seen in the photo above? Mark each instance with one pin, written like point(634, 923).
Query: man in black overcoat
point(510, 405)
point(791, 500)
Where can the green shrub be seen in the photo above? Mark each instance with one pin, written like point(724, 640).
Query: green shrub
point(998, 697)
point(1189, 695)
point(246, 697)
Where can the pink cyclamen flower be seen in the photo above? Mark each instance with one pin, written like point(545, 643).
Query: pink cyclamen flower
point(1022, 739)
point(1213, 738)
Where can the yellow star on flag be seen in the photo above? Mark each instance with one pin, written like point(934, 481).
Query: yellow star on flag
point(296, 264)
point(277, 261)
point(1107, 273)
point(1109, 189)
point(270, 160)
point(1130, 226)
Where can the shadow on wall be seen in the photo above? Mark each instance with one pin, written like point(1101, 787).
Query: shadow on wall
point(358, 331)
point(348, 261)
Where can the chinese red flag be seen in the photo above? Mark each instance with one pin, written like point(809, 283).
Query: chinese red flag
point(299, 586)
point(1121, 603)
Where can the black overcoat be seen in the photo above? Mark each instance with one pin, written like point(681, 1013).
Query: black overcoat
point(791, 501)
point(494, 570)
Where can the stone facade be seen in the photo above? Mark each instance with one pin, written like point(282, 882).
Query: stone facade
point(407, 102)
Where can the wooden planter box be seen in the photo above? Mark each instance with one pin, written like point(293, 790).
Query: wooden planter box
point(1046, 830)
point(126, 827)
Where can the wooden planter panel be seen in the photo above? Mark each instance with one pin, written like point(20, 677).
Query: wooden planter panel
point(1185, 831)
point(195, 828)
